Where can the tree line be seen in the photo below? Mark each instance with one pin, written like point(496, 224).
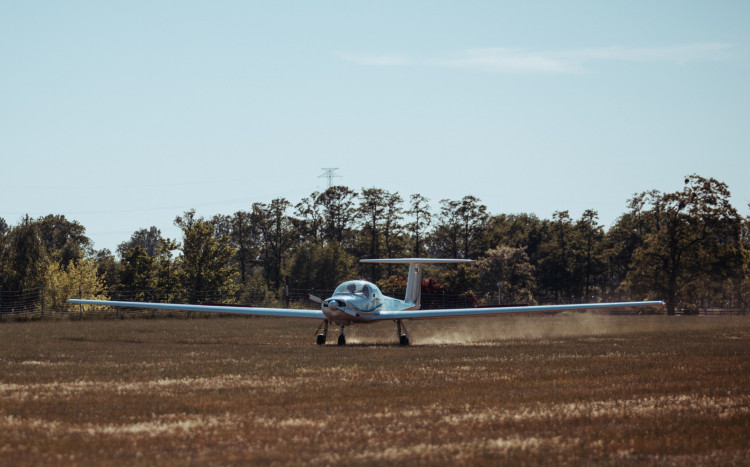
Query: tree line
point(689, 248)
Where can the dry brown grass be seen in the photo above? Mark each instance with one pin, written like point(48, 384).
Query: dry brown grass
point(575, 389)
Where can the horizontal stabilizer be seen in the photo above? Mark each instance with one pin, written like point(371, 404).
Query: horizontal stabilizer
point(414, 260)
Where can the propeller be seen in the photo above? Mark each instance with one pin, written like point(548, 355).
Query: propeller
point(314, 298)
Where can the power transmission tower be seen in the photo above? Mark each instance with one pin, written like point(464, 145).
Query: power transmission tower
point(330, 175)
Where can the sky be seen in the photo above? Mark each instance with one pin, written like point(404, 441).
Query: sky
point(123, 115)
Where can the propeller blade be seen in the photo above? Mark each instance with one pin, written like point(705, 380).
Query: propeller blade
point(314, 298)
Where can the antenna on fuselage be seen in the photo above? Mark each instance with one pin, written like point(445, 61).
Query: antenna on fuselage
point(329, 174)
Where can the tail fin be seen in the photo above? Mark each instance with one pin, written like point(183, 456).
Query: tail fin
point(414, 280)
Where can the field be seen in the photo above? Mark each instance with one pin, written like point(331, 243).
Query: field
point(566, 389)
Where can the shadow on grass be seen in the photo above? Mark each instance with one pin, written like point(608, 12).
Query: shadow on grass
point(100, 341)
point(365, 345)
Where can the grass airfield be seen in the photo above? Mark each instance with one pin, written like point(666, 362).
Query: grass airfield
point(569, 388)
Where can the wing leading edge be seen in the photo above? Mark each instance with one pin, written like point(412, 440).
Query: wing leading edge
point(239, 310)
point(472, 312)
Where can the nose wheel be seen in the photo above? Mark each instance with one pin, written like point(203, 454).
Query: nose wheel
point(403, 337)
point(342, 337)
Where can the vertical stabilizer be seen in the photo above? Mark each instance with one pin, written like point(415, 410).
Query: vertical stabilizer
point(414, 285)
point(414, 279)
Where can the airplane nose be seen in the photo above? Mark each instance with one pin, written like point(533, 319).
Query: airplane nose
point(337, 306)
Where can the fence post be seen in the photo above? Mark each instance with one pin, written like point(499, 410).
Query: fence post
point(1, 299)
point(42, 302)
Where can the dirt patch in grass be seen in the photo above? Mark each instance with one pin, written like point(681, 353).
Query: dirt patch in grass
point(575, 389)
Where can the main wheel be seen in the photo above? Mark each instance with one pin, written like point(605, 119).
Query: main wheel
point(321, 339)
point(403, 340)
point(342, 340)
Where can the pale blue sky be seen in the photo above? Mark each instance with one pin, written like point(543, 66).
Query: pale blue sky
point(123, 115)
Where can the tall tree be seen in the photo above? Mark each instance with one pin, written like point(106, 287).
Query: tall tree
point(275, 227)
point(623, 239)
point(371, 211)
point(392, 228)
point(137, 275)
point(743, 284)
point(515, 230)
point(149, 239)
point(5, 252)
point(147, 267)
point(591, 260)
point(107, 268)
point(473, 216)
point(64, 240)
point(446, 235)
point(419, 210)
point(695, 236)
point(337, 207)
point(222, 224)
point(310, 219)
point(78, 280)
point(244, 238)
point(506, 270)
point(165, 271)
point(379, 212)
point(557, 257)
point(205, 263)
point(321, 266)
point(461, 226)
point(25, 258)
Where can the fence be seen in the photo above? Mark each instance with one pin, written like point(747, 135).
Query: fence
point(24, 301)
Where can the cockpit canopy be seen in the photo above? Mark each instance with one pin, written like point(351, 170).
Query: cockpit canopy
point(361, 288)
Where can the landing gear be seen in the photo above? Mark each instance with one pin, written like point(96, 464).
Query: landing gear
point(322, 333)
point(342, 338)
point(403, 338)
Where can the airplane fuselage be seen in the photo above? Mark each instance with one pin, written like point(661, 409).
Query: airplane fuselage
point(359, 302)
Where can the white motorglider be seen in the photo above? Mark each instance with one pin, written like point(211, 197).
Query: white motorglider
point(359, 301)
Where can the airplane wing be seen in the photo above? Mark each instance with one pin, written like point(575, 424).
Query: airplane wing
point(240, 310)
point(473, 312)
